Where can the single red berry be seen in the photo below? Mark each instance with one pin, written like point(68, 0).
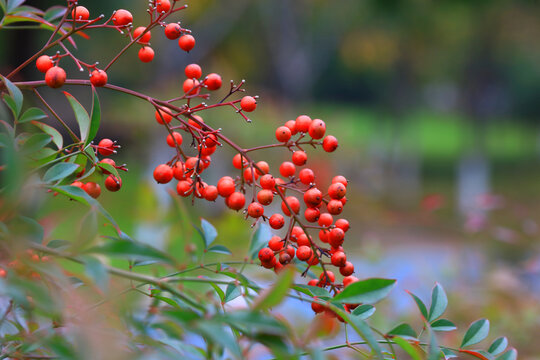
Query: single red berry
point(287, 169)
point(195, 123)
point(266, 254)
point(296, 232)
point(277, 221)
point(348, 280)
point(334, 207)
point(186, 42)
point(338, 259)
point(173, 31)
point(312, 214)
point(113, 183)
point(313, 197)
point(205, 151)
point(275, 243)
point(190, 86)
point(143, 39)
point(337, 191)
point(314, 260)
point(265, 168)
point(290, 251)
point(291, 124)
point(161, 116)
point(283, 134)
point(55, 77)
point(326, 219)
point(330, 143)
point(255, 210)
point(340, 179)
point(267, 182)
point(213, 81)
point(211, 193)
point(343, 224)
point(302, 123)
point(163, 6)
point(317, 308)
point(175, 139)
point(184, 187)
point(248, 103)
point(347, 269)
point(317, 128)
point(327, 278)
point(146, 54)
point(303, 240)
point(293, 203)
point(272, 264)
point(225, 186)
point(336, 237)
point(200, 189)
point(313, 282)
point(78, 184)
point(122, 17)
point(80, 13)
point(163, 173)
point(306, 176)
point(299, 158)
point(44, 63)
point(179, 171)
point(210, 140)
point(304, 253)
point(92, 189)
point(193, 165)
point(193, 71)
point(3, 273)
point(106, 147)
point(236, 201)
point(239, 161)
point(265, 197)
point(98, 78)
point(323, 235)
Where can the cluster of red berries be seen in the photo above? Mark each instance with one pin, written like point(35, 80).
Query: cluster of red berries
point(19, 266)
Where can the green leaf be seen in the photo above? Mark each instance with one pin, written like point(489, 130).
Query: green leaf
point(220, 292)
point(420, 304)
point(131, 249)
point(220, 249)
point(260, 239)
point(366, 291)
point(32, 114)
point(410, 349)
point(32, 229)
point(13, 4)
point(449, 354)
point(364, 311)
point(95, 270)
point(14, 91)
point(219, 335)
point(54, 12)
point(251, 323)
point(231, 292)
point(95, 117)
point(209, 232)
point(509, 355)
point(476, 332)
point(59, 171)
point(108, 168)
point(363, 329)
point(59, 244)
point(57, 138)
point(439, 302)
point(11, 104)
point(403, 330)
point(479, 354)
point(36, 142)
point(443, 325)
point(313, 291)
point(275, 294)
point(3, 5)
point(434, 352)
point(498, 346)
point(81, 115)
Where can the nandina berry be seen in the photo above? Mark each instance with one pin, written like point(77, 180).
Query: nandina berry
point(313, 260)
point(204, 150)
point(179, 171)
point(210, 140)
point(193, 165)
point(190, 86)
point(330, 143)
point(334, 207)
point(347, 269)
point(106, 147)
point(143, 39)
point(317, 128)
point(323, 235)
point(98, 78)
point(317, 308)
point(162, 115)
point(173, 31)
point(55, 77)
point(3, 273)
point(290, 251)
point(327, 278)
point(340, 179)
point(304, 253)
point(275, 243)
point(200, 189)
point(146, 54)
point(44, 63)
point(239, 161)
point(175, 139)
point(283, 134)
point(337, 191)
point(264, 168)
point(163, 6)
point(338, 259)
point(213, 81)
point(291, 124)
point(302, 123)
point(186, 42)
point(184, 187)
point(249, 173)
point(306, 176)
point(348, 280)
point(336, 237)
point(236, 201)
point(193, 71)
point(267, 182)
point(326, 219)
point(163, 173)
point(225, 186)
point(313, 282)
point(80, 13)
point(122, 17)
point(293, 203)
point(287, 169)
point(270, 264)
point(277, 221)
point(265, 197)
point(211, 193)
point(303, 240)
point(299, 158)
point(248, 103)
point(284, 258)
point(313, 197)
point(312, 214)
point(296, 232)
point(343, 224)
point(78, 184)
point(255, 210)
point(113, 183)
point(92, 189)
point(107, 161)
point(195, 123)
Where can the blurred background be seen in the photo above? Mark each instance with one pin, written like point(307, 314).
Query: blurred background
point(436, 107)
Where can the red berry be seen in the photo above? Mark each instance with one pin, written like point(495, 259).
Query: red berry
point(303, 240)
point(266, 255)
point(317, 128)
point(323, 235)
point(291, 124)
point(211, 193)
point(277, 221)
point(55, 77)
point(248, 103)
point(317, 308)
point(193, 165)
point(161, 116)
point(267, 182)
point(179, 171)
point(336, 237)
point(106, 147)
point(249, 173)
point(44, 63)
point(184, 187)
point(239, 161)
point(347, 269)
point(265, 197)
point(334, 207)
point(255, 210)
point(342, 224)
point(340, 179)
point(312, 214)
point(113, 183)
point(236, 201)
point(287, 169)
point(193, 71)
point(265, 168)
point(146, 54)
point(143, 39)
point(78, 184)
point(313, 197)
point(338, 259)
point(173, 31)
point(299, 158)
point(163, 6)
point(293, 203)
point(213, 81)
point(122, 17)
point(330, 143)
point(163, 173)
point(190, 86)
point(275, 243)
point(326, 219)
point(327, 278)
point(80, 13)
point(92, 189)
point(283, 134)
point(302, 123)
point(175, 139)
point(186, 42)
point(347, 280)
point(306, 176)
point(296, 233)
point(304, 253)
point(195, 123)
point(225, 186)
point(337, 191)
point(98, 78)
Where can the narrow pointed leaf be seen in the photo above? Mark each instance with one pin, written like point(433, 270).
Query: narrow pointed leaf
point(59, 171)
point(57, 138)
point(81, 115)
point(439, 302)
point(366, 291)
point(403, 330)
point(95, 118)
point(498, 346)
point(219, 249)
point(509, 355)
point(443, 325)
point(365, 332)
point(209, 233)
point(14, 91)
point(364, 311)
point(131, 249)
point(479, 354)
point(420, 304)
point(476, 332)
point(32, 114)
point(231, 292)
point(409, 348)
point(275, 294)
